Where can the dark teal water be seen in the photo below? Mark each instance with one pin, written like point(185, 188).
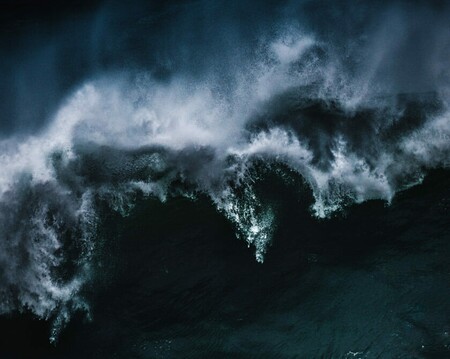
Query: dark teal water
point(174, 282)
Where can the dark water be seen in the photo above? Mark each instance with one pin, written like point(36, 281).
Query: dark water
point(172, 281)
point(214, 179)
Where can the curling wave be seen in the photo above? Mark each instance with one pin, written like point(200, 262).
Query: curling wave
point(120, 135)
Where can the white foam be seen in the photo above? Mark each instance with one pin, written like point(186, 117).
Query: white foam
point(186, 119)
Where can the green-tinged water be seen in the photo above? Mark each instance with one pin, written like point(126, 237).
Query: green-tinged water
point(174, 282)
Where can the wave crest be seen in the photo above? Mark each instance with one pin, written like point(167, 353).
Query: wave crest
point(121, 135)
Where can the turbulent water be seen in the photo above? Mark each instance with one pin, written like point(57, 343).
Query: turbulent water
point(231, 108)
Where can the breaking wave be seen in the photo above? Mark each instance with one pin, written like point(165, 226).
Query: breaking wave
point(293, 101)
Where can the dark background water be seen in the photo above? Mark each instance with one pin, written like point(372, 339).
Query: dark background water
point(49, 47)
point(173, 281)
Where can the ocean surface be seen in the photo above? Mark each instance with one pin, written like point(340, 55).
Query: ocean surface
point(224, 179)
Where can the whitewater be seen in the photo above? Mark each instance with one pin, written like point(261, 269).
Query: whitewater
point(123, 134)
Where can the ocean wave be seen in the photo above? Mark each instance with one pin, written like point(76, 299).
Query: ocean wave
point(119, 135)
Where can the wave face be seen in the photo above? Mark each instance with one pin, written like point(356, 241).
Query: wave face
point(358, 116)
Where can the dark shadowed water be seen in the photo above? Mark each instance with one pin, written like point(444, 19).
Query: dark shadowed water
point(172, 281)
